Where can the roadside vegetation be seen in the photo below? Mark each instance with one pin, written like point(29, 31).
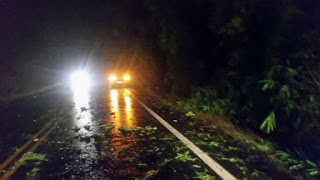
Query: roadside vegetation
point(253, 157)
point(255, 62)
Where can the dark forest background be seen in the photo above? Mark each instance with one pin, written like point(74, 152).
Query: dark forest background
point(254, 61)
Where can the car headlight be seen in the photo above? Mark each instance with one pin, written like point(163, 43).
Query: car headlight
point(126, 77)
point(112, 78)
point(80, 80)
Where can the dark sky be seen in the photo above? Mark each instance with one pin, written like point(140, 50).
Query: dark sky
point(54, 37)
point(51, 32)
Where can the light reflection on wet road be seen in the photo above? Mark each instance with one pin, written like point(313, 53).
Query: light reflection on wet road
point(121, 108)
point(120, 112)
point(84, 121)
point(81, 99)
point(122, 115)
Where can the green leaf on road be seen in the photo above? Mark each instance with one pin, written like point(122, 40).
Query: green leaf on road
point(125, 130)
point(107, 127)
point(190, 114)
point(185, 157)
point(142, 165)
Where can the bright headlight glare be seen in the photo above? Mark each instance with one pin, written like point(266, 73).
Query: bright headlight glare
point(126, 77)
point(80, 80)
point(112, 78)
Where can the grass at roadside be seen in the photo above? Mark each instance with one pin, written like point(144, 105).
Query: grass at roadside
point(252, 154)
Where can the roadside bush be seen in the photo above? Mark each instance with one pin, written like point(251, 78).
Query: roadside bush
point(206, 100)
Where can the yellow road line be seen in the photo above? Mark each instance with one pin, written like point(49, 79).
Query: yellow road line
point(32, 149)
point(23, 147)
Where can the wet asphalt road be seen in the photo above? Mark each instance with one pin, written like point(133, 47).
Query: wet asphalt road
point(25, 117)
point(104, 133)
point(101, 134)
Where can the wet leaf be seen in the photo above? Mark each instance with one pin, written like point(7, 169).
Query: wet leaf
point(150, 128)
point(234, 160)
point(125, 130)
point(269, 123)
point(107, 126)
point(152, 172)
point(311, 163)
point(313, 172)
point(190, 114)
point(142, 165)
point(268, 84)
point(153, 138)
point(213, 144)
point(191, 124)
point(31, 156)
point(193, 132)
point(296, 167)
point(293, 161)
point(234, 148)
point(203, 136)
point(205, 176)
point(196, 166)
point(180, 148)
point(185, 157)
point(33, 174)
point(257, 174)
point(282, 155)
point(138, 128)
point(166, 139)
point(244, 169)
point(201, 143)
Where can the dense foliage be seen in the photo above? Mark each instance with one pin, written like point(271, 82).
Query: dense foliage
point(256, 62)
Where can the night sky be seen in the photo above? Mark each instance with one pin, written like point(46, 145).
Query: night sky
point(53, 36)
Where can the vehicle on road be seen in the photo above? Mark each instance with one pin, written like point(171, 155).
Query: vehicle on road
point(118, 80)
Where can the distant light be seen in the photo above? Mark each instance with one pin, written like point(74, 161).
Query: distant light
point(112, 78)
point(80, 80)
point(126, 77)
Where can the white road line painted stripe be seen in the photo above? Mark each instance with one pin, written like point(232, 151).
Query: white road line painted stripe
point(223, 173)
